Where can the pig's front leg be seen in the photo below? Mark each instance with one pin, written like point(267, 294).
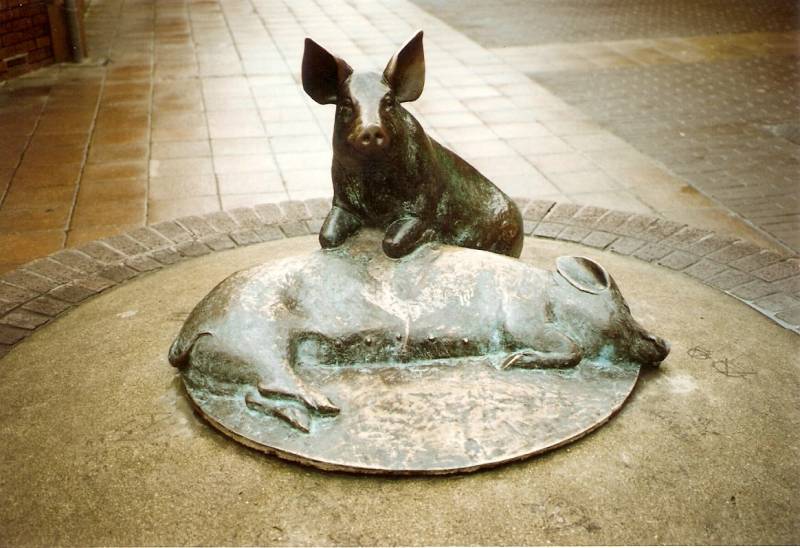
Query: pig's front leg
point(547, 349)
point(403, 236)
point(339, 225)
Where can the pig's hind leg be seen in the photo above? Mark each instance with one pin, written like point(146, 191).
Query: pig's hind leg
point(547, 349)
point(254, 362)
point(267, 351)
point(208, 363)
point(283, 394)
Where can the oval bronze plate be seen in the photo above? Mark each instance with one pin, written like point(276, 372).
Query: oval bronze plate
point(435, 418)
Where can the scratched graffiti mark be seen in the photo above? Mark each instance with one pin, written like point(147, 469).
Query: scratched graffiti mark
point(557, 515)
point(699, 353)
point(729, 367)
point(178, 316)
point(146, 426)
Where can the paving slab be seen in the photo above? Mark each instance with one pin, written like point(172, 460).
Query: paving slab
point(188, 108)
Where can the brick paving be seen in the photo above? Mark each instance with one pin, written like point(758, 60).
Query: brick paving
point(193, 107)
point(38, 292)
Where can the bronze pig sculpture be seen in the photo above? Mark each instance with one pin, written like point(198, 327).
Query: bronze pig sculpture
point(388, 174)
point(353, 306)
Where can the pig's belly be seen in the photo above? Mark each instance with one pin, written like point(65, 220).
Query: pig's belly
point(403, 335)
point(387, 347)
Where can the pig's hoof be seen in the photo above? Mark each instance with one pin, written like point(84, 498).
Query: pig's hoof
point(291, 414)
point(330, 242)
point(403, 236)
point(338, 226)
point(311, 398)
point(320, 403)
point(396, 250)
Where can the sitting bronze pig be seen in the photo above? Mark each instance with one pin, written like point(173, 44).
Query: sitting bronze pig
point(388, 174)
point(354, 306)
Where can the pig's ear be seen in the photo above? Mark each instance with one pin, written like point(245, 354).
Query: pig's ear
point(584, 273)
point(322, 73)
point(405, 72)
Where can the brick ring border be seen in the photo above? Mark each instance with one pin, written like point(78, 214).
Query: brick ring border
point(34, 294)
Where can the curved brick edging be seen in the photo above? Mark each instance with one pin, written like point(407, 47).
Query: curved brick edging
point(35, 293)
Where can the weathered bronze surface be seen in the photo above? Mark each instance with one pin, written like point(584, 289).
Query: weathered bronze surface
point(423, 358)
point(388, 174)
point(432, 418)
point(449, 359)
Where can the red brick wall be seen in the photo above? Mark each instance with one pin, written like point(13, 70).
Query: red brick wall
point(24, 36)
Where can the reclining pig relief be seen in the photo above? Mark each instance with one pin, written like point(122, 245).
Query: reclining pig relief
point(388, 174)
point(311, 339)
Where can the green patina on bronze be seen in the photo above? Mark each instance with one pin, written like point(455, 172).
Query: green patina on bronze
point(389, 174)
point(352, 306)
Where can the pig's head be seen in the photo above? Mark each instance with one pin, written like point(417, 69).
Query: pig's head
point(587, 305)
point(368, 112)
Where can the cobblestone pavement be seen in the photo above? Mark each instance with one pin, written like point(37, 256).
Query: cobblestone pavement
point(190, 107)
point(708, 89)
point(40, 291)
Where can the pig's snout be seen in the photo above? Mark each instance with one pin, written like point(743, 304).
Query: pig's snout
point(652, 349)
point(371, 139)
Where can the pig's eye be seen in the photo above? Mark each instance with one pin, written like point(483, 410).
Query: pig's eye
point(347, 103)
point(387, 103)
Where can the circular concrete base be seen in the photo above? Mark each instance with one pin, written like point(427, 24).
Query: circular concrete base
point(101, 447)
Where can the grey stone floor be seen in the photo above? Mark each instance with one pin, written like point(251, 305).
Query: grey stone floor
point(526, 22)
point(708, 89)
point(719, 125)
